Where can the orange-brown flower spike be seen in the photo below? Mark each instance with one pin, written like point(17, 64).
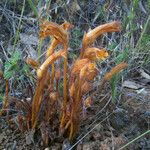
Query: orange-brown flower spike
point(87, 68)
point(91, 36)
point(114, 71)
point(48, 62)
point(78, 65)
point(95, 54)
point(33, 63)
point(55, 30)
point(102, 54)
point(55, 42)
point(88, 72)
point(66, 25)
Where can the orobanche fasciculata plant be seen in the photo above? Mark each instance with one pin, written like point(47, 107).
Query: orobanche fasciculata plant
point(62, 109)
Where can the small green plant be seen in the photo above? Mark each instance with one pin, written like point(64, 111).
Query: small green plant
point(12, 68)
point(11, 65)
point(33, 7)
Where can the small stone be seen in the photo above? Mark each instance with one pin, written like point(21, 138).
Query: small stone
point(66, 144)
point(29, 137)
point(8, 131)
point(2, 137)
point(87, 146)
point(41, 143)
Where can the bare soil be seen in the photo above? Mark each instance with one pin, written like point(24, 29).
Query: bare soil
point(107, 126)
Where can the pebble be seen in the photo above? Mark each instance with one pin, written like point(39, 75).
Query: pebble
point(2, 137)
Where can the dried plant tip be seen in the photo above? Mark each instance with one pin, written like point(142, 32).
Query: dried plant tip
point(88, 102)
point(33, 63)
point(57, 74)
point(91, 36)
point(95, 53)
point(55, 42)
point(114, 71)
point(67, 25)
point(53, 29)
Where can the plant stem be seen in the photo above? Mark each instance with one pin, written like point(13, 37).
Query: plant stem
point(53, 74)
point(64, 89)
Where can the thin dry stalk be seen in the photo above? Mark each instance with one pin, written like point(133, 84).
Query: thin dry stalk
point(53, 29)
point(5, 101)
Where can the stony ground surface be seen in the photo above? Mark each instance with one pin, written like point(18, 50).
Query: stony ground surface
point(112, 128)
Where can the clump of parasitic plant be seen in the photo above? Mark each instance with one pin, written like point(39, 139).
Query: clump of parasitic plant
point(47, 102)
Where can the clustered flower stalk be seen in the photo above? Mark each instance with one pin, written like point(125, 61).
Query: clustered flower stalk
point(77, 80)
point(84, 71)
point(60, 36)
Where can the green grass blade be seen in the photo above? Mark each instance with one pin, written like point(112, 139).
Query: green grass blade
point(19, 25)
point(148, 131)
point(32, 6)
point(143, 32)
